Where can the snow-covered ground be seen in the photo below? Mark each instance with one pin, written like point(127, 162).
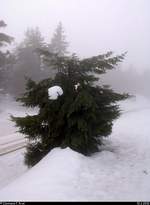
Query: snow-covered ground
point(121, 171)
point(11, 165)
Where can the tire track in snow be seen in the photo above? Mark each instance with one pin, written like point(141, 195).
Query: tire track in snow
point(15, 140)
point(12, 147)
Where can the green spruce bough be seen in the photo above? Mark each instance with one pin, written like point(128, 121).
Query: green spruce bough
point(80, 117)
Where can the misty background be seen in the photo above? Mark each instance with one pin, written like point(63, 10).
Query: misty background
point(91, 27)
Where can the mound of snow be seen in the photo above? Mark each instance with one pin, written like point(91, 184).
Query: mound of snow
point(52, 178)
point(54, 92)
point(12, 167)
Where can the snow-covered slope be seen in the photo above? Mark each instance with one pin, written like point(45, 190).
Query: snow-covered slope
point(121, 171)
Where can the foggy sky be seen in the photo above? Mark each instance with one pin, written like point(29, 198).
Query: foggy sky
point(91, 26)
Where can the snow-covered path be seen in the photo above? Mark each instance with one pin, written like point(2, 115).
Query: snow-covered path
point(121, 171)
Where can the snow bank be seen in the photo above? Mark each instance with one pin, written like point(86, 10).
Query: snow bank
point(53, 178)
point(11, 167)
point(120, 172)
point(54, 92)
